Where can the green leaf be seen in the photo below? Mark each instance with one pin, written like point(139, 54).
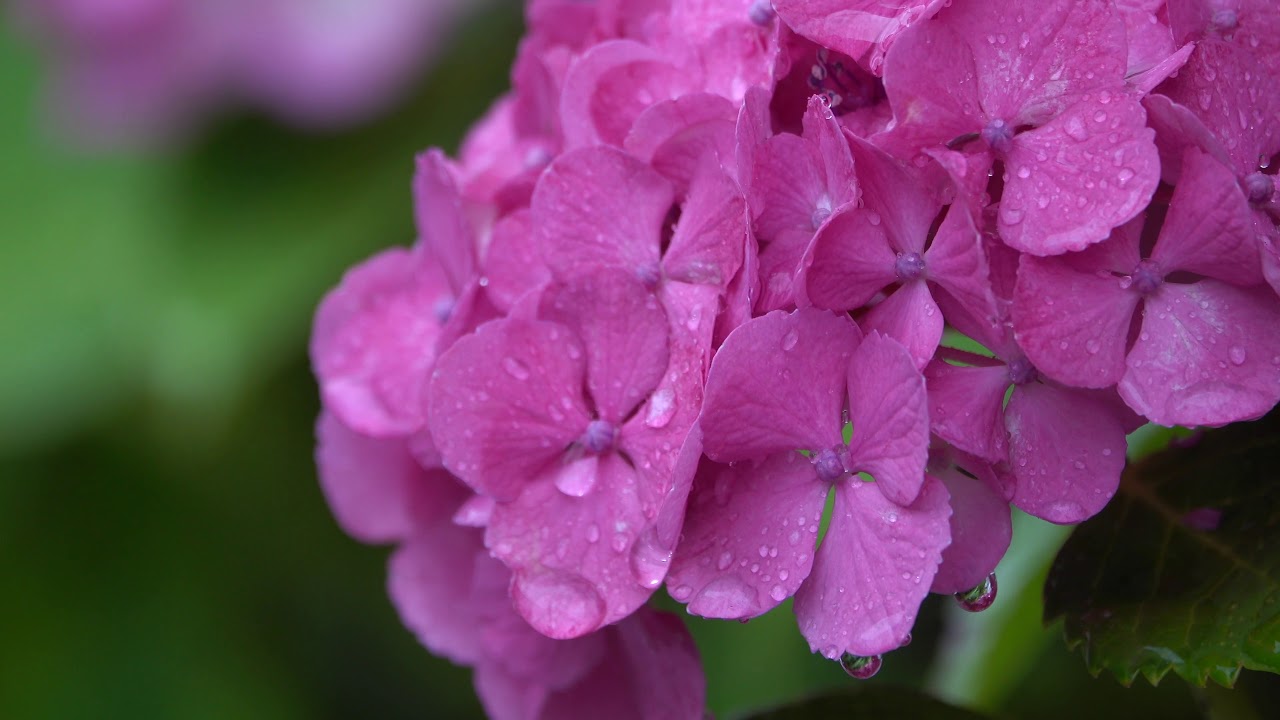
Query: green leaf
point(1145, 588)
point(883, 702)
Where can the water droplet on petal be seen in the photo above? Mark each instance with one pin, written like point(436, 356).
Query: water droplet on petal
point(1236, 355)
point(778, 593)
point(860, 667)
point(790, 339)
point(979, 598)
point(662, 407)
point(515, 368)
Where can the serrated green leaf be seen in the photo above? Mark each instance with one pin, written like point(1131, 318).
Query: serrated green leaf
point(1145, 588)
point(882, 702)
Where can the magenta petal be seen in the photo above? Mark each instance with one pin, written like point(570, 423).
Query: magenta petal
point(376, 489)
point(848, 262)
point(513, 263)
point(873, 569)
point(910, 316)
point(623, 328)
point(853, 27)
point(374, 341)
point(506, 401)
point(789, 187)
point(905, 206)
point(1209, 228)
point(570, 555)
point(935, 101)
point(429, 580)
point(443, 227)
point(777, 384)
point(708, 241)
point(675, 136)
point(1208, 354)
point(1091, 169)
point(607, 89)
point(957, 263)
point(749, 536)
point(1066, 448)
point(1072, 325)
point(889, 411)
point(981, 528)
point(582, 222)
point(823, 131)
point(966, 407)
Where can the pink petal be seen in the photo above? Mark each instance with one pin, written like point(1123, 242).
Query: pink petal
point(779, 268)
point(513, 263)
point(936, 101)
point(570, 555)
point(823, 131)
point(1208, 354)
point(708, 240)
point(905, 206)
point(429, 579)
point(1177, 128)
point(1073, 326)
point(855, 27)
point(506, 401)
point(674, 136)
point(777, 385)
point(966, 407)
point(624, 331)
point(981, 529)
point(873, 569)
point(374, 341)
point(849, 261)
point(609, 87)
point(377, 492)
point(1209, 228)
point(910, 316)
point(442, 223)
point(583, 222)
point(1091, 169)
point(889, 411)
point(789, 186)
point(753, 129)
point(957, 263)
point(749, 536)
point(1066, 449)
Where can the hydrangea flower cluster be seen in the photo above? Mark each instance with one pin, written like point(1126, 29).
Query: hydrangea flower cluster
point(690, 283)
point(134, 68)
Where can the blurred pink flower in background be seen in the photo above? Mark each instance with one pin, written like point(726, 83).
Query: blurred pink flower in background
point(139, 71)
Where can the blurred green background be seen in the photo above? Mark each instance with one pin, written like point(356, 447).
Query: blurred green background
point(165, 550)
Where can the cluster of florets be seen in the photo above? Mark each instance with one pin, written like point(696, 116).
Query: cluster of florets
point(134, 69)
point(714, 266)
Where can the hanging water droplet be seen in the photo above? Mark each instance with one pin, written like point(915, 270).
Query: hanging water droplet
point(979, 598)
point(860, 667)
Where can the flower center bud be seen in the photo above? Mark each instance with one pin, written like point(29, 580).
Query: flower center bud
point(599, 437)
point(1021, 371)
point(829, 464)
point(761, 12)
point(1147, 277)
point(649, 274)
point(909, 266)
point(1224, 20)
point(1258, 188)
point(998, 136)
point(443, 309)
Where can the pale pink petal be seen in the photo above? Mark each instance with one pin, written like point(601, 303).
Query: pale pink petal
point(375, 488)
point(442, 223)
point(374, 341)
point(1066, 449)
point(1090, 169)
point(849, 261)
point(1073, 325)
point(873, 569)
point(1208, 354)
point(981, 528)
point(513, 263)
point(889, 411)
point(583, 222)
point(910, 316)
point(957, 263)
point(708, 241)
point(966, 407)
point(777, 384)
point(675, 136)
point(506, 402)
point(749, 537)
point(611, 85)
point(623, 328)
point(429, 579)
point(570, 555)
point(1209, 228)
